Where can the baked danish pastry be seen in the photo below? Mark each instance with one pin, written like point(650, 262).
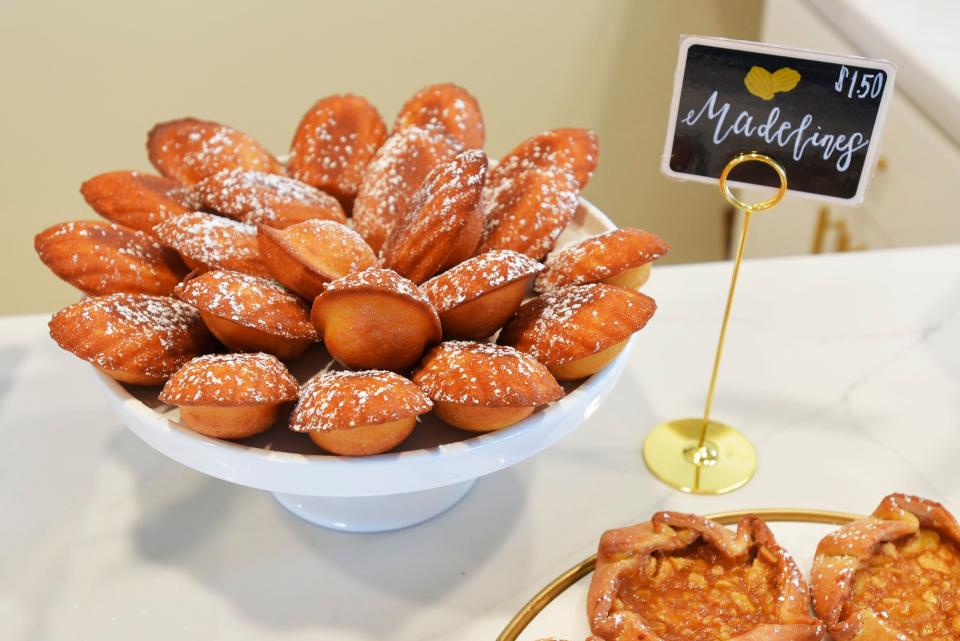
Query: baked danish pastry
point(134, 338)
point(575, 331)
point(681, 577)
point(475, 298)
point(893, 576)
point(375, 319)
point(250, 314)
point(358, 413)
point(305, 256)
point(230, 395)
point(483, 387)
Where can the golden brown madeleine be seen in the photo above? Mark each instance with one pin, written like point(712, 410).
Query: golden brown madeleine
point(139, 201)
point(358, 413)
point(577, 330)
point(444, 222)
point(334, 143)
point(231, 395)
point(394, 176)
point(250, 314)
point(103, 258)
point(572, 150)
point(618, 257)
point(475, 298)
point(684, 577)
point(483, 387)
point(306, 256)
point(526, 212)
point(189, 150)
point(258, 197)
point(207, 241)
point(375, 319)
point(447, 109)
point(134, 338)
point(892, 575)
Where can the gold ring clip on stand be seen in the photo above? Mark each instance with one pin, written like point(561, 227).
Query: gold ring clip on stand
point(700, 455)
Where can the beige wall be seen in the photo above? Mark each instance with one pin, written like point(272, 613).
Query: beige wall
point(83, 82)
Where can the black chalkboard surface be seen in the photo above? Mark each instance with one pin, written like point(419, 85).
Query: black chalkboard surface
point(819, 115)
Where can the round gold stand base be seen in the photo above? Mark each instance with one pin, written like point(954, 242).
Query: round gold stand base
point(726, 461)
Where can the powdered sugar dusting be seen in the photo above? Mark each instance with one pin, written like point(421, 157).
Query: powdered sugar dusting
point(250, 301)
point(213, 241)
point(384, 280)
point(485, 374)
point(478, 276)
point(342, 400)
point(231, 379)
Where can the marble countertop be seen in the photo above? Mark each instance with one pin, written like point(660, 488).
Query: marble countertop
point(844, 370)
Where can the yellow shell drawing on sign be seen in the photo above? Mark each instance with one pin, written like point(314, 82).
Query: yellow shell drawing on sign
point(763, 84)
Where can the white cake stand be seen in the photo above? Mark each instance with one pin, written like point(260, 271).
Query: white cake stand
point(435, 468)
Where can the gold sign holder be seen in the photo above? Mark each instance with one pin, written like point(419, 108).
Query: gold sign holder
point(700, 455)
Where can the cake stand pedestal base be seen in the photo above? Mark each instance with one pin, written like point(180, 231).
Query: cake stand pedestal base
point(374, 513)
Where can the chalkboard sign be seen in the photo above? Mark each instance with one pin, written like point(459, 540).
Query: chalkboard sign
point(819, 115)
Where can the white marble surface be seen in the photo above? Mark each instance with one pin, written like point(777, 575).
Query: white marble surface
point(844, 370)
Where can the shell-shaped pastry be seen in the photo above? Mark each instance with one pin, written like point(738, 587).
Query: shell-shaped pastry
point(446, 109)
point(485, 374)
point(577, 321)
point(394, 176)
point(207, 241)
point(148, 337)
point(444, 222)
point(190, 150)
point(342, 400)
point(334, 143)
point(256, 303)
point(231, 380)
point(258, 197)
point(103, 258)
point(478, 276)
point(600, 257)
point(572, 150)
point(139, 201)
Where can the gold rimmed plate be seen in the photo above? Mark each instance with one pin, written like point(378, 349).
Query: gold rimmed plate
point(559, 609)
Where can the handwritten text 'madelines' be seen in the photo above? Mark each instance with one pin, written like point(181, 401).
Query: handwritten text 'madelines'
point(799, 137)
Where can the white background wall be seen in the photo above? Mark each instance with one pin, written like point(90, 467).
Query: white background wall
point(82, 82)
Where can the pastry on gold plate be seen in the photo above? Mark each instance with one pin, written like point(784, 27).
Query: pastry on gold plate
point(528, 211)
point(475, 298)
point(334, 143)
point(306, 256)
point(569, 149)
point(447, 109)
point(104, 258)
point(444, 222)
point(134, 338)
point(577, 330)
point(207, 241)
point(893, 576)
point(189, 150)
point(483, 387)
point(394, 176)
point(250, 314)
point(618, 257)
point(139, 201)
point(375, 319)
point(358, 413)
point(681, 577)
point(258, 197)
point(231, 395)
